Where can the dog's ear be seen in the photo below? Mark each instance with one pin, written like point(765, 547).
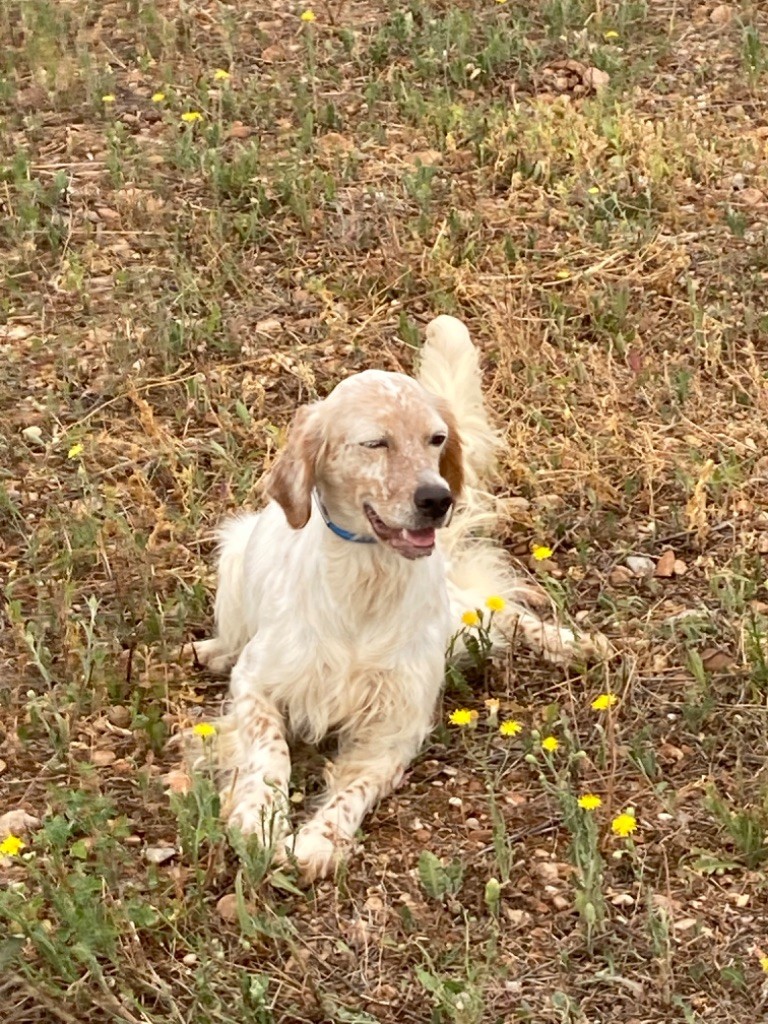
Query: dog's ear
point(451, 457)
point(292, 477)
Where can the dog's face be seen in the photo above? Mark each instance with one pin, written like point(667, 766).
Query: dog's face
point(385, 457)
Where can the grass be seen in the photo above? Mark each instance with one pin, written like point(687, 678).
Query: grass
point(172, 289)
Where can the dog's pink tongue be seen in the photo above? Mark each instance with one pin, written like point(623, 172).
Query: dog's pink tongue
point(420, 538)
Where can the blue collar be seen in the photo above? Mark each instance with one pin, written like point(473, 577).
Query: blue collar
point(356, 538)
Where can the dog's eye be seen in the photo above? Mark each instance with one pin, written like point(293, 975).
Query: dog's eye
point(379, 443)
point(437, 440)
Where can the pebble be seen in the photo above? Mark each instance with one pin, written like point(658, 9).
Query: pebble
point(641, 565)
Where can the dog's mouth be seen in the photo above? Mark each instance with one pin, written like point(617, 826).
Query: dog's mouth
point(408, 543)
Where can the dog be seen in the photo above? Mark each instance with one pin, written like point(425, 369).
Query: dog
point(336, 603)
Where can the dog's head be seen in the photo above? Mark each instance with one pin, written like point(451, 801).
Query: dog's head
point(385, 457)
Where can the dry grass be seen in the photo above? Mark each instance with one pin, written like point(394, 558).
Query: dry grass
point(171, 291)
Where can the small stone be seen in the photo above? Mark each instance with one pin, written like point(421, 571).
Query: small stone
point(721, 15)
point(227, 907)
point(178, 781)
point(549, 501)
point(189, 960)
point(17, 823)
point(680, 568)
point(596, 79)
point(666, 564)
point(269, 326)
point(620, 576)
point(641, 565)
point(101, 758)
point(159, 854)
point(120, 716)
point(33, 434)
point(751, 196)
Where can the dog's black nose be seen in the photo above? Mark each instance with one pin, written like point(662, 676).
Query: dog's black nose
point(432, 500)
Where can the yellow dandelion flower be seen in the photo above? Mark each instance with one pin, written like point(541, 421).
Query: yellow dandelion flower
point(158, 97)
point(495, 603)
point(308, 16)
point(470, 618)
point(461, 717)
point(610, 34)
point(563, 274)
point(764, 963)
point(220, 75)
point(541, 552)
point(204, 729)
point(604, 701)
point(593, 190)
point(109, 98)
point(550, 743)
point(11, 846)
point(510, 728)
point(624, 825)
point(75, 451)
point(590, 802)
point(190, 116)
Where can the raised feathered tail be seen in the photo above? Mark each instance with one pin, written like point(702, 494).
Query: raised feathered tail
point(476, 567)
point(450, 367)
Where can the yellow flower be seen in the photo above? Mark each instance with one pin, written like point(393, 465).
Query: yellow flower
point(764, 963)
point(11, 846)
point(610, 34)
point(190, 116)
point(604, 701)
point(74, 451)
point(462, 717)
point(562, 274)
point(308, 16)
point(220, 75)
point(550, 743)
point(109, 98)
point(510, 728)
point(470, 618)
point(158, 97)
point(590, 802)
point(495, 603)
point(594, 190)
point(624, 825)
point(542, 552)
point(204, 729)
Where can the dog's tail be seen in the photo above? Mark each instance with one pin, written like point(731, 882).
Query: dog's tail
point(476, 567)
point(450, 368)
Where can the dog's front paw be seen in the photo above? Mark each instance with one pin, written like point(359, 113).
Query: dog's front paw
point(209, 654)
point(314, 853)
point(258, 814)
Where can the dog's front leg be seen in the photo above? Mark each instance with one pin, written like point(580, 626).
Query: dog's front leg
point(362, 775)
point(259, 763)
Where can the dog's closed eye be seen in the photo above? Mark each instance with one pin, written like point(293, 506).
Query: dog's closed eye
point(379, 442)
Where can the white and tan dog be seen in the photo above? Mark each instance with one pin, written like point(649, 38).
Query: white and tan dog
point(335, 604)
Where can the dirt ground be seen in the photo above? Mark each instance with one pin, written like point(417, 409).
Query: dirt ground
point(211, 213)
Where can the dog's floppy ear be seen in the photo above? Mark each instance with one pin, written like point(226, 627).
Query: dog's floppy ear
point(292, 477)
point(451, 457)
